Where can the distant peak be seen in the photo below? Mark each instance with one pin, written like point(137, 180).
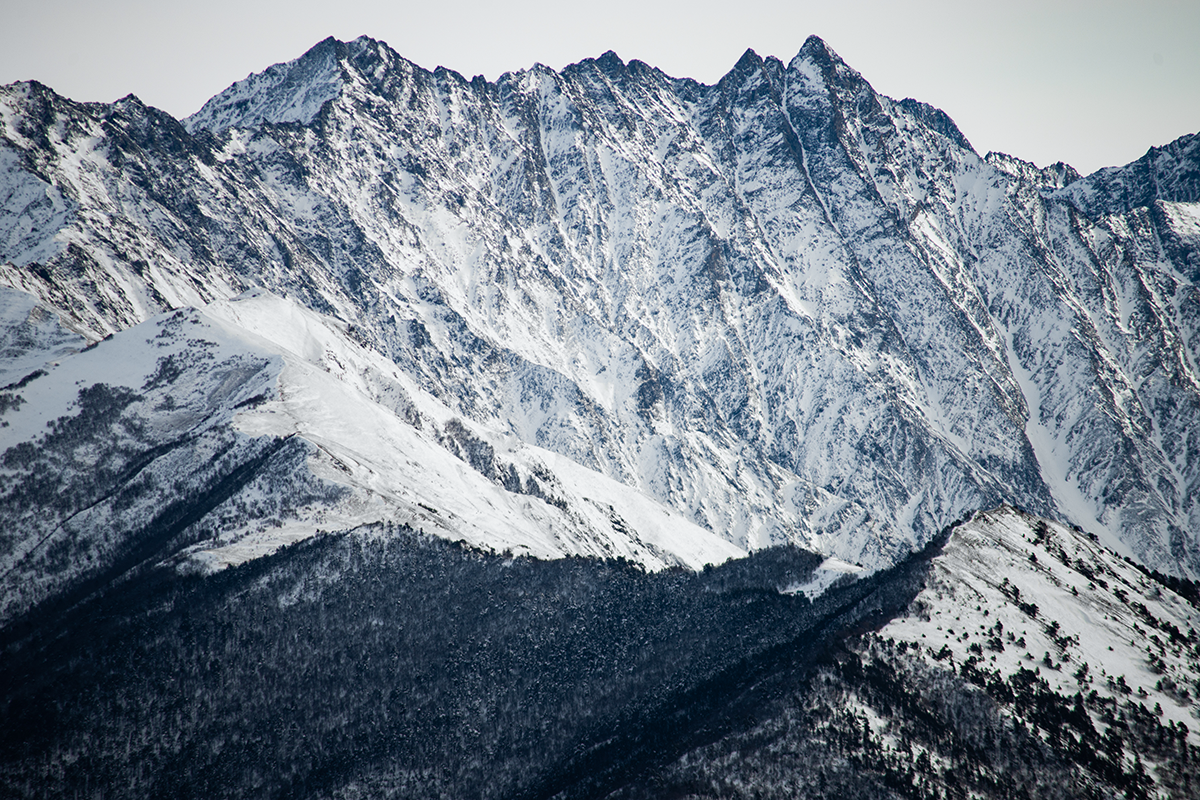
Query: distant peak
point(328, 43)
point(610, 60)
point(816, 52)
point(293, 91)
point(750, 60)
point(365, 44)
point(815, 48)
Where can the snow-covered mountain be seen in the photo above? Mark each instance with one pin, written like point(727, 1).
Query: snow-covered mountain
point(782, 308)
point(1011, 592)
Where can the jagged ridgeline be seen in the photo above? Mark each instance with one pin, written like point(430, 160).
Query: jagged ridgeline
point(784, 306)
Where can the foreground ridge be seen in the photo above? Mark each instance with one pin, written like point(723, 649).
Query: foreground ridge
point(404, 664)
point(1033, 662)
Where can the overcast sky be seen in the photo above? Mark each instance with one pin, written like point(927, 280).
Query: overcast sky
point(1090, 83)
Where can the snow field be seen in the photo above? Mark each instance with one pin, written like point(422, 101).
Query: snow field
point(1089, 612)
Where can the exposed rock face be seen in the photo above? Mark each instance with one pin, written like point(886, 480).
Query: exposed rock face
point(784, 305)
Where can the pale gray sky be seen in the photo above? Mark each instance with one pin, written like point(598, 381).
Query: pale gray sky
point(1091, 83)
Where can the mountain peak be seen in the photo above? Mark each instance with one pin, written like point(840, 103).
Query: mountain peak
point(290, 92)
point(818, 60)
point(750, 60)
point(816, 49)
point(610, 62)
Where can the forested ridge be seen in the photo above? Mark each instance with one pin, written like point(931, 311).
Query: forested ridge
point(394, 663)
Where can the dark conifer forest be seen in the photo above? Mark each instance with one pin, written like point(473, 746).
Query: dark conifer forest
point(388, 663)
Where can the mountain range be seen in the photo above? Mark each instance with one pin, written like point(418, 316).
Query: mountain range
point(605, 329)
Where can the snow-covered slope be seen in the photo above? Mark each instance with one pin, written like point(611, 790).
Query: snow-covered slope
point(31, 338)
point(412, 457)
point(217, 435)
point(1034, 662)
point(1011, 592)
point(783, 306)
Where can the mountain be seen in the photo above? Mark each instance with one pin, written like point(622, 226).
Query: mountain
point(595, 433)
point(210, 437)
point(1034, 662)
point(784, 306)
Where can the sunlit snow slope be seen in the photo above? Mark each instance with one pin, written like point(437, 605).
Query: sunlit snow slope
point(1011, 592)
point(211, 436)
point(1033, 662)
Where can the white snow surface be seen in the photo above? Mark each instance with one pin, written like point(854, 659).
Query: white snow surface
point(32, 337)
point(326, 395)
point(827, 573)
point(996, 561)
